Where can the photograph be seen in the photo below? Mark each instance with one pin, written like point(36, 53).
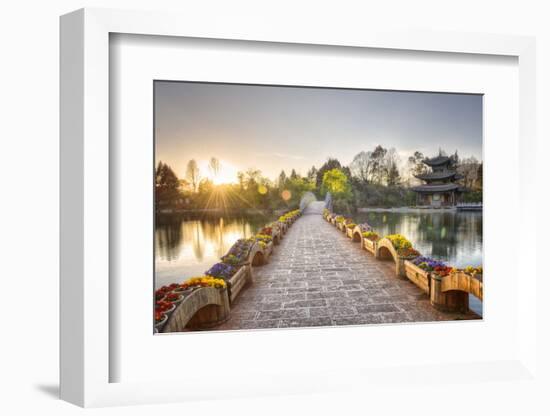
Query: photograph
point(295, 207)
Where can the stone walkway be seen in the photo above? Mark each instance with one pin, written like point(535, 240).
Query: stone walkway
point(317, 277)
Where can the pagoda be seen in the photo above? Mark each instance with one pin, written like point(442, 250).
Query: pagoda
point(440, 189)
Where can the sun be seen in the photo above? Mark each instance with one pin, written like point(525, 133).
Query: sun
point(226, 174)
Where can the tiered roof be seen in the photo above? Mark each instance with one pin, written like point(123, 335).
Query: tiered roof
point(437, 161)
point(442, 171)
point(440, 175)
point(445, 187)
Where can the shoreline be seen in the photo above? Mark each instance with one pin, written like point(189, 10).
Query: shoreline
point(414, 209)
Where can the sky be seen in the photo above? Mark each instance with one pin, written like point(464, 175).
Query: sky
point(271, 128)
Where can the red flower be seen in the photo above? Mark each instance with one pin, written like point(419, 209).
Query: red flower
point(159, 316)
point(172, 297)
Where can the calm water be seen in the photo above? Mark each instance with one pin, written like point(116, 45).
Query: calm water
point(453, 237)
point(187, 247)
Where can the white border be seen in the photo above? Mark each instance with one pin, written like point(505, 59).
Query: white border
point(85, 199)
point(136, 61)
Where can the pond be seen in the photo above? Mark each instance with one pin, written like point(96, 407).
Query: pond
point(453, 237)
point(187, 246)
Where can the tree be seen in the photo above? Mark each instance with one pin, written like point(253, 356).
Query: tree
point(329, 165)
point(192, 174)
point(469, 168)
point(336, 182)
point(416, 164)
point(252, 178)
point(281, 183)
point(293, 174)
point(391, 163)
point(312, 174)
point(240, 178)
point(454, 159)
point(377, 163)
point(480, 175)
point(167, 185)
point(361, 166)
point(394, 178)
point(214, 167)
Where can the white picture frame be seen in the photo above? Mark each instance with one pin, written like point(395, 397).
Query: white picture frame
point(86, 355)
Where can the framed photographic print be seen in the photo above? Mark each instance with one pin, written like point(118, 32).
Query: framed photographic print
point(273, 232)
point(254, 204)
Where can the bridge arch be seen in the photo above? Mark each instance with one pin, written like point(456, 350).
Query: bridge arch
point(307, 199)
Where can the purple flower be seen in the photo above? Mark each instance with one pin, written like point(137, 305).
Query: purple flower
point(221, 270)
point(428, 263)
point(365, 227)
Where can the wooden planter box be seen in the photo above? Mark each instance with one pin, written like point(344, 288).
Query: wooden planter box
point(205, 307)
point(349, 232)
point(341, 226)
point(268, 250)
point(370, 246)
point(418, 276)
point(238, 281)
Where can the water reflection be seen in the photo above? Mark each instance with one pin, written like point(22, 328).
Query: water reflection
point(187, 246)
point(454, 237)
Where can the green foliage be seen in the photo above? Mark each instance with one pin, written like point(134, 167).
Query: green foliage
point(329, 165)
point(336, 182)
point(167, 185)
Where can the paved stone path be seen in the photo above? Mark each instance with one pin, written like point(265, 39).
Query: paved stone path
point(317, 277)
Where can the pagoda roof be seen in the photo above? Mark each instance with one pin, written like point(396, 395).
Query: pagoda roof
point(436, 161)
point(433, 176)
point(438, 188)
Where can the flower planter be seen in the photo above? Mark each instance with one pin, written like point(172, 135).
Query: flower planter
point(160, 324)
point(171, 309)
point(418, 276)
point(268, 250)
point(445, 298)
point(176, 301)
point(349, 232)
point(184, 292)
point(205, 308)
point(238, 281)
point(370, 246)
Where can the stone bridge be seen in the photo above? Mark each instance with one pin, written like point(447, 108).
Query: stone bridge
point(317, 276)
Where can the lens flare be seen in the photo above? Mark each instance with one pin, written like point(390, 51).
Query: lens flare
point(286, 195)
point(262, 189)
